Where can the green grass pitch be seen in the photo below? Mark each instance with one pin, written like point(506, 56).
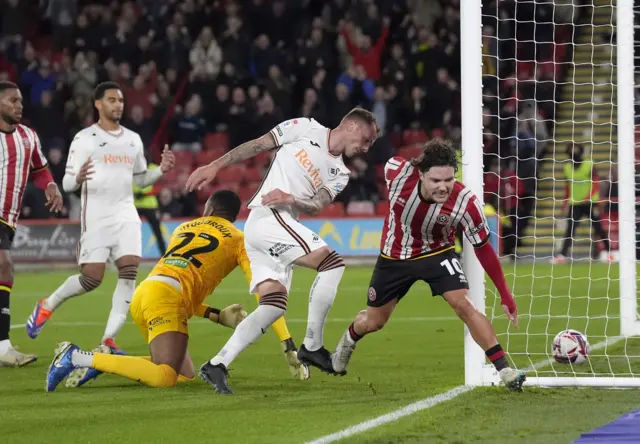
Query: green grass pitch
point(419, 354)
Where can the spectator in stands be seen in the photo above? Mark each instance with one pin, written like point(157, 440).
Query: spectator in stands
point(279, 88)
point(415, 110)
point(39, 79)
point(268, 114)
point(362, 183)
point(218, 114)
point(62, 14)
point(139, 124)
point(312, 107)
point(362, 50)
point(360, 87)
point(240, 117)
point(189, 127)
point(206, 53)
point(48, 118)
point(84, 77)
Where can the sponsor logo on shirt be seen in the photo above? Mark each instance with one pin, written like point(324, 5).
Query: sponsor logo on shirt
point(180, 263)
point(279, 248)
point(279, 130)
point(303, 159)
point(118, 158)
point(477, 229)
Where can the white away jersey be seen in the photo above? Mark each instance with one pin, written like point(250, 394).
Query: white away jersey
point(107, 197)
point(303, 164)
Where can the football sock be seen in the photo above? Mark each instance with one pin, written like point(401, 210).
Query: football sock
point(136, 369)
point(184, 379)
point(279, 326)
point(497, 357)
point(5, 345)
point(81, 358)
point(5, 314)
point(323, 292)
point(250, 329)
point(74, 286)
point(355, 337)
point(119, 305)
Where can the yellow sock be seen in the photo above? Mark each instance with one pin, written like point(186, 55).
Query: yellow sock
point(136, 369)
point(279, 326)
point(185, 379)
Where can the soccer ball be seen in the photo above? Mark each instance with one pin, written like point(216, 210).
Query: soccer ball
point(570, 347)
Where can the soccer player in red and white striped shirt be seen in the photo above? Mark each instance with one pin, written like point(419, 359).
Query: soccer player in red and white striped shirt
point(20, 155)
point(427, 204)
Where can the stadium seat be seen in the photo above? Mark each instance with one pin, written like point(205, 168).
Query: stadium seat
point(232, 173)
point(184, 159)
point(253, 174)
point(412, 136)
point(213, 141)
point(209, 155)
point(409, 152)
point(382, 209)
point(363, 208)
point(247, 191)
point(335, 209)
point(263, 158)
point(244, 211)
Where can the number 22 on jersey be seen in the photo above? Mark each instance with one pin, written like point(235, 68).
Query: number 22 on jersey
point(188, 247)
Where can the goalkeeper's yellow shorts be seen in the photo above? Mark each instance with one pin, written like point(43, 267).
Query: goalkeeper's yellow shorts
point(158, 308)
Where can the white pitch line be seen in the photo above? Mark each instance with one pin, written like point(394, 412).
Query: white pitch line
point(427, 403)
point(394, 416)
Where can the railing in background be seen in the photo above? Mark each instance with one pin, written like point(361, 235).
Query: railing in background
point(57, 240)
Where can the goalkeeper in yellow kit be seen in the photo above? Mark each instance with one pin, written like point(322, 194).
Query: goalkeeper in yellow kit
point(200, 254)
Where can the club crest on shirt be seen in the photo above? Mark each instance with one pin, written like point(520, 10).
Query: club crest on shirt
point(26, 144)
point(443, 219)
point(333, 171)
point(372, 294)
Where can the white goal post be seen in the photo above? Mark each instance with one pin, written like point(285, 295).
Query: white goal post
point(598, 299)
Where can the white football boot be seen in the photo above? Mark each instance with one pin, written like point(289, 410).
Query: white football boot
point(342, 355)
point(512, 379)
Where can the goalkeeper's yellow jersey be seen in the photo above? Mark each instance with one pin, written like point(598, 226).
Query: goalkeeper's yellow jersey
point(200, 254)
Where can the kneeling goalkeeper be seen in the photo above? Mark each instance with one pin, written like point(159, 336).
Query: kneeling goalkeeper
point(201, 253)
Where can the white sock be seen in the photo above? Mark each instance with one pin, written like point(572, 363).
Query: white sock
point(70, 288)
point(323, 292)
point(247, 332)
point(119, 307)
point(5, 345)
point(81, 358)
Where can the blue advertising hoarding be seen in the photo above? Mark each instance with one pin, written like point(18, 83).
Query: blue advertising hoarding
point(348, 237)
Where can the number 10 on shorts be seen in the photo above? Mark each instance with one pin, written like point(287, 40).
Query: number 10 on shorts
point(453, 266)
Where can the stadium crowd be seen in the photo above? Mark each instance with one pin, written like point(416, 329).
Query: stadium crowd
point(205, 76)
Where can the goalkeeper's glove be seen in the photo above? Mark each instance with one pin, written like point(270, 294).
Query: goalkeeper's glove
point(231, 316)
point(298, 370)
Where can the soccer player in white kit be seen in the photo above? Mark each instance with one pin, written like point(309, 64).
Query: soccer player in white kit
point(307, 173)
point(104, 161)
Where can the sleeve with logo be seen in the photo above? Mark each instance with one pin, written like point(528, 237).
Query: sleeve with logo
point(291, 130)
point(474, 223)
point(339, 177)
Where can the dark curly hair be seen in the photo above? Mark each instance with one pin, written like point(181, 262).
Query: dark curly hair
point(436, 152)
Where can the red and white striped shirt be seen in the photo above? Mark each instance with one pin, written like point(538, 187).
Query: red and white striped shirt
point(20, 154)
point(415, 227)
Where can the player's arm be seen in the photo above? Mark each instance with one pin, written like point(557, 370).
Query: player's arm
point(40, 173)
point(325, 195)
point(143, 176)
point(282, 133)
point(78, 165)
point(477, 231)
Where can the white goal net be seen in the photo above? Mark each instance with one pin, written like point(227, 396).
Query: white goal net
point(558, 154)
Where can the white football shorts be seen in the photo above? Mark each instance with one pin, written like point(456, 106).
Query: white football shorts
point(274, 240)
point(101, 244)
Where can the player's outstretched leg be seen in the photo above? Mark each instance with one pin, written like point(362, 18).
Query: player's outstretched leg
point(484, 335)
point(297, 369)
point(127, 273)
point(367, 321)
point(168, 352)
point(330, 267)
point(88, 280)
point(273, 304)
